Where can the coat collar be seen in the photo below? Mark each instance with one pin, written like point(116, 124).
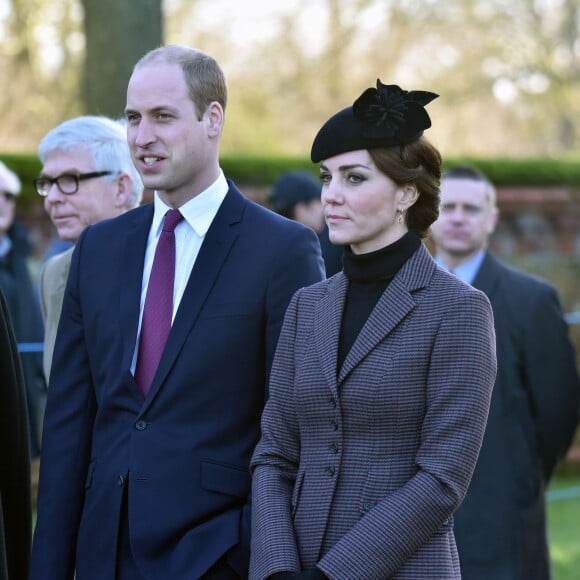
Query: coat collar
point(395, 303)
point(488, 275)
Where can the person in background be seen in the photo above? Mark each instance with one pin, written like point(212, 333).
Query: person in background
point(296, 195)
point(16, 284)
point(87, 175)
point(169, 324)
point(15, 496)
point(501, 525)
point(383, 374)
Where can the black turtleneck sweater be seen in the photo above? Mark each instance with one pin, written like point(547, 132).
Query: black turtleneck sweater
point(369, 276)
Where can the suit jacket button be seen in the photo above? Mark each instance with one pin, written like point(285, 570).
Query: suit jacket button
point(141, 425)
point(368, 505)
point(121, 481)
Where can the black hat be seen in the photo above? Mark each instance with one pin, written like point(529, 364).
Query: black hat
point(294, 187)
point(381, 117)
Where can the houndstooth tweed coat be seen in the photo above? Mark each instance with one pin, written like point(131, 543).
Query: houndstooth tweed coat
point(359, 472)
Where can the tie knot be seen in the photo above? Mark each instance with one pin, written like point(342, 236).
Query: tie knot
point(172, 218)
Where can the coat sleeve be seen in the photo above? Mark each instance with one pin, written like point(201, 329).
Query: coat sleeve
point(69, 419)
point(300, 265)
point(551, 377)
point(460, 381)
point(274, 466)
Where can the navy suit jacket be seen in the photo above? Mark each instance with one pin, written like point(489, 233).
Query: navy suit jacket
point(183, 452)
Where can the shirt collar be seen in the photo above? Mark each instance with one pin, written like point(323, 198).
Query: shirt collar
point(199, 211)
point(468, 270)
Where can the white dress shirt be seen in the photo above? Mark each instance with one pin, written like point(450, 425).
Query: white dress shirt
point(198, 213)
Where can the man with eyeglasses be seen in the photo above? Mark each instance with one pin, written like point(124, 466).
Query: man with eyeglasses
point(16, 284)
point(87, 176)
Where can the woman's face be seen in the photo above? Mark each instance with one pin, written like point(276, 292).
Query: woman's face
point(360, 202)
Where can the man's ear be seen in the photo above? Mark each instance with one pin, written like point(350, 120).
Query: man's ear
point(215, 119)
point(123, 192)
point(493, 221)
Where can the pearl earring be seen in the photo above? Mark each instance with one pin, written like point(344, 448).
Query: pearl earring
point(400, 216)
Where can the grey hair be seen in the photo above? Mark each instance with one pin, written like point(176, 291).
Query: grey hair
point(12, 183)
point(105, 140)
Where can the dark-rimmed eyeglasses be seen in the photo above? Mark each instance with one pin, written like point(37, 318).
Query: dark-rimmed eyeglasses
point(67, 183)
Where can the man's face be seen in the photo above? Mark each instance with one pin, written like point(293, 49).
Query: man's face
point(466, 220)
point(174, 151)
point(310, 213)
point(96, 198)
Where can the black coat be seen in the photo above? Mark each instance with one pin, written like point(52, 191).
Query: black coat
point(15, 501)
point(24, 308)
point(501, 527)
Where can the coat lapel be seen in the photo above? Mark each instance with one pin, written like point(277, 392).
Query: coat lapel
point(487, 276)
point(394, 305)
point(327, 320)
point(212, 255)
point(133, 260)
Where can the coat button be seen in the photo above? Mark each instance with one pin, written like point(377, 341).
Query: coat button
point(334, 424)
point(121, 480)
point(330, 470)
point(334, 448)
point(141, 425)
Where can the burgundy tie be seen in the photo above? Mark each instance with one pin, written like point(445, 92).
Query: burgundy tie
point(158, 309)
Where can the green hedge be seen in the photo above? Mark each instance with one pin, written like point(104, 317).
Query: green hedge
point(264, 170)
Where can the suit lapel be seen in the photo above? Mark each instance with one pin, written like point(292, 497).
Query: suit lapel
point(394, 305)
point(212, 255)
point(487, 276)
point(133, 260)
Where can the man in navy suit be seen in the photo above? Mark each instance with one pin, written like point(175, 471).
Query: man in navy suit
point(156, 486)
point(500, 527)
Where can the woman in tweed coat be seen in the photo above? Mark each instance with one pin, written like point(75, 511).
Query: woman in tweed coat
point(382, 379)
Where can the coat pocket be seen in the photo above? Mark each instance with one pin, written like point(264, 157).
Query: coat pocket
point(223, 478)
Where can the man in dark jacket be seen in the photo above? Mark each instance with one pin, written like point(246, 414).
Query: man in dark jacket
point(501, 526)
point(15, 509)
point(22, 302)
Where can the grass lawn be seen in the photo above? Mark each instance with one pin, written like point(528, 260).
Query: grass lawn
point(564, 528)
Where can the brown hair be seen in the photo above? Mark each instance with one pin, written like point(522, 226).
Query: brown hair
point(418, 163)
point(204, 77)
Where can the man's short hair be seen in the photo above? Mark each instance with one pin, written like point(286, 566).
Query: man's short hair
point(204, 77)
point(470, 172)
point(106, 141)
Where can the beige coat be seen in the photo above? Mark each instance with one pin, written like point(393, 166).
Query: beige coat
point(53, 277)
